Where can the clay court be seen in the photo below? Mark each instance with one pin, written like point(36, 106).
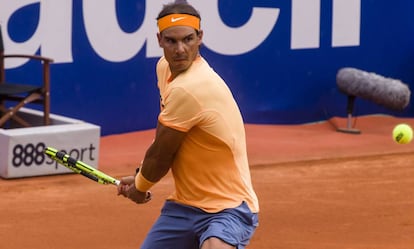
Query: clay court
point(318, 189)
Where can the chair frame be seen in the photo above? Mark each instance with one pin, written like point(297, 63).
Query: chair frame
point(42, 97)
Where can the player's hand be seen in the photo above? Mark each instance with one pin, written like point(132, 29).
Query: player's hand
point(128, 190)
point(124, 183)
point(137, 196)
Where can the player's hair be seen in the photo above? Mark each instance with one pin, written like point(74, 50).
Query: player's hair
point(178, 7)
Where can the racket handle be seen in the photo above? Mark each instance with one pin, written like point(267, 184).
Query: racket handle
point(60, 155)
point(80, 167)
point(92, 177)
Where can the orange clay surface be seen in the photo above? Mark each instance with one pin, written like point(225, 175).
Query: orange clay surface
point(318, 189)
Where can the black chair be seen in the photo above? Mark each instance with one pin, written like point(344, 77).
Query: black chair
point(23, 94)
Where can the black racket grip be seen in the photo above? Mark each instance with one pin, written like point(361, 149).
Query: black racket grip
point(70, 160)
point(60, 155)
point(92, 177)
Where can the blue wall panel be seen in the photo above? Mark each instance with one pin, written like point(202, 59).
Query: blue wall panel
point(274, 82)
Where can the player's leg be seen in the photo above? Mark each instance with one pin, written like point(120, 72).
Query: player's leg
point(216, 243)
point(229, 229)
point(172, 228)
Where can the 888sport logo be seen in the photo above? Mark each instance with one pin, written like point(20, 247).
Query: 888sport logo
point(33, 154)
point(28, 155)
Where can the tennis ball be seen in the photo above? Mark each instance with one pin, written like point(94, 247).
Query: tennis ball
point(402, 133)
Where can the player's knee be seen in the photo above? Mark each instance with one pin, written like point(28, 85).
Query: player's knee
point(216, 243)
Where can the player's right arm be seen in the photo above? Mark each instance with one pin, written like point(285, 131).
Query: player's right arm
point(160, 155)
point(156, 164)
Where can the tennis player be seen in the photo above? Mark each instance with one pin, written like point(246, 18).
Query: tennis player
point(200, 136)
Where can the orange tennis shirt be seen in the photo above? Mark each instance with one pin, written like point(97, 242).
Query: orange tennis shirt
point(211, 169)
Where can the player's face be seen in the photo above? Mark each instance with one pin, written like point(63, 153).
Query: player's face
point(181, 47)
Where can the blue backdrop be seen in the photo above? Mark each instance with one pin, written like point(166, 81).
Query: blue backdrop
point(281, 68)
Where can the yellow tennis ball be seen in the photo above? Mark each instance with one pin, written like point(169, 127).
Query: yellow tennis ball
point(402, 133)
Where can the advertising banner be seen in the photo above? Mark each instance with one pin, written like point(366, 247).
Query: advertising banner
point(279, 58)
point(22, 149)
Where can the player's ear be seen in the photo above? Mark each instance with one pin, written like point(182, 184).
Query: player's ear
point(200, 36)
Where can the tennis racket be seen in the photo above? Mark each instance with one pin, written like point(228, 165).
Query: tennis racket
point(80, 167)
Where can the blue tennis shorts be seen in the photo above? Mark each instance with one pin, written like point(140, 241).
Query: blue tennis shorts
point(186, 227)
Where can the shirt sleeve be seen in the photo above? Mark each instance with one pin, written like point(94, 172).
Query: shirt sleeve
point(181, 110)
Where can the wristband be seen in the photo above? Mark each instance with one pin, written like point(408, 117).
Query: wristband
point(141, 183)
